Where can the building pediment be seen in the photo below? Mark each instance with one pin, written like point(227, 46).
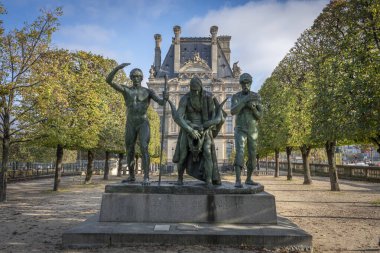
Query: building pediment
point(195, 66)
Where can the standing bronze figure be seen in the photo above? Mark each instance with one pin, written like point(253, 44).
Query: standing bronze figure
point(137, 100)
point(200, 117)
point(246, 105)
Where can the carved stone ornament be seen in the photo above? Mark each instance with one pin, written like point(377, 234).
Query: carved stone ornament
point(236, 70)
point(152, 72)
point(195, 66)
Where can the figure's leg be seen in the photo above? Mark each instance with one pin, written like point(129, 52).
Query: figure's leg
point(181, 170)
point(182, 158)
point(144, 134)
point(251, 142)
point(130, 141)
point(240, 138)
point(207, 157)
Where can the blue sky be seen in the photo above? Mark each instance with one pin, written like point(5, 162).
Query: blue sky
point(262, 31)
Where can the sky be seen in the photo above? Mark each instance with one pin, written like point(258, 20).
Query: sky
point(262, 31)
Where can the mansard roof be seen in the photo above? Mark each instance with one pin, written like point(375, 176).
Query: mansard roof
point(191, 47)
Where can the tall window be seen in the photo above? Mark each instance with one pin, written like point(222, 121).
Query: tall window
point(229, 126)
point(228, 102)
point(229, 147)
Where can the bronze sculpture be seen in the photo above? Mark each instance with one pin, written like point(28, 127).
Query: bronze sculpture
point(246, 105)
point(200, 117)
point(137, 100)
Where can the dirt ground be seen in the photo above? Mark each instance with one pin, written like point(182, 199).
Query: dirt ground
point(34, 217)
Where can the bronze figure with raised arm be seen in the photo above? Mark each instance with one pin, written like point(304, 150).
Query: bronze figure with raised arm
point(137, 100)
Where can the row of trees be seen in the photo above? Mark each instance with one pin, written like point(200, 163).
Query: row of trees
point(59, 99)
point(326, 90)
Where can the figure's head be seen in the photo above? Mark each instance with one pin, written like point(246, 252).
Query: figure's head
point(136, 75)
point(245, 82)
point(195, 86)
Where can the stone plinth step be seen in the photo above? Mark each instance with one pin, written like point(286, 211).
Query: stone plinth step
point(193, 202)
point(189, 187)
point(93, 233)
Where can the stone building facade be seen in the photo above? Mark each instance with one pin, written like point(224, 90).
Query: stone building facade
point(209, 59)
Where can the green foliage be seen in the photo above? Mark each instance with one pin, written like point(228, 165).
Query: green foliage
point(326, 88)
point(111, 136)
point(273, 131)
point(21, 50)
point(2, 11)
point(73, 99)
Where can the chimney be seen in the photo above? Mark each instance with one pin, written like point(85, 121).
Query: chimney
point(177, 49)
point(157, 52)
point(214, 49)
point(224, 43)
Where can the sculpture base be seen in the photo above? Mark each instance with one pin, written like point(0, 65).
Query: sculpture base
point(192, 202)
point(92, 234)
point(186, 215)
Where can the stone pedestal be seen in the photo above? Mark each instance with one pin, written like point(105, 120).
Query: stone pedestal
point(186, 215)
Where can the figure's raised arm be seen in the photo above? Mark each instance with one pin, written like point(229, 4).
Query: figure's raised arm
point(111, 75)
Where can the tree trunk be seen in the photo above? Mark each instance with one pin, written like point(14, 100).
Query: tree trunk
point(305, 150)
point(106, 166)
point(58, 168)
point(90, 167)
point(258, 162)
point(330, 150)
point(120, 164)
point(277, 167)
point(5, 157)
point(290, 172)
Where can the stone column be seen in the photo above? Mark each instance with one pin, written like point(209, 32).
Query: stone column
point(157, 52)
point(177, 49)
point(214, 49)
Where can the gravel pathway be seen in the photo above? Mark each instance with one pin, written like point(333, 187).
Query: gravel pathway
point(34, 217)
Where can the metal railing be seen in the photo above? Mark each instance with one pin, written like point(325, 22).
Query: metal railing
point(358, 172)
point(22, 171)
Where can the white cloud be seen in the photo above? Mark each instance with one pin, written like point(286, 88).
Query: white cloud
point(262, 32)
